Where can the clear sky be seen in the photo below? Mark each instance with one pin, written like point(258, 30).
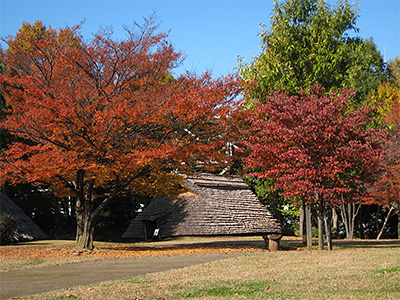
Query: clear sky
point(212, 34)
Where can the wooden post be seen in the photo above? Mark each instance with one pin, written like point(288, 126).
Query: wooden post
point(273, 241)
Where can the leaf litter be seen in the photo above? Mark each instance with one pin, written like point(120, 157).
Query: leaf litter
point(32, 256)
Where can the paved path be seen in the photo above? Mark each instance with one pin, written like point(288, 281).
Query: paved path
point(33, 281)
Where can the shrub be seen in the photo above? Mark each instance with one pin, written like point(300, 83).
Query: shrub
point(8, 226)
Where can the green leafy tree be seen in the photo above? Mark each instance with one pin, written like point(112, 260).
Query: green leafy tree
point(365, 69)
point(309, 45)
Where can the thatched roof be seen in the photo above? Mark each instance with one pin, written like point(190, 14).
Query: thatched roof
point(215, 205)
point(27, 230)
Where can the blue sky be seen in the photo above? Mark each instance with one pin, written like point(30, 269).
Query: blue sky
point(212, 34)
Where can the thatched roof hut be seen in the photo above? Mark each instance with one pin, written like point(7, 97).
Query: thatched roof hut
point(27, 230)
point(214, 205)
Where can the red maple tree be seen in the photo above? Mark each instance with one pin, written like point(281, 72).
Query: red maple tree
point(316, 147)
point(102, 116)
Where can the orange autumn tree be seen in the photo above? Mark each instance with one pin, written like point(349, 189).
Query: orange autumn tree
point(386, 191)
point(386, 100)
point(387, 93)
point(104, 116)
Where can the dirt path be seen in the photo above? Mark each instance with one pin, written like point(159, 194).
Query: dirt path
point(33, 281)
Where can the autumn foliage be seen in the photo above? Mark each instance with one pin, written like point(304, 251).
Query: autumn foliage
point(102, 116)
point(316, 147)
point(386, 191)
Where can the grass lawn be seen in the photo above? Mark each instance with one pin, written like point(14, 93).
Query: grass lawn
point(365, 272)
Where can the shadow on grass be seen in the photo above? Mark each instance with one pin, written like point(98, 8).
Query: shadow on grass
point(287, 244)
point(343, 244)
point(356, 243)
point(290, 244)
point(203, 245)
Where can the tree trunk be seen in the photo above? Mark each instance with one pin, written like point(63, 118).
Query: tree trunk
point(328, 230)
point(86, 212)
point(335, 221)
point(350, 225)
point(320, 216)
point(301, 225)
point(85, 237)
point(345, 220)
point(384, 223)
point(85, 218)
point(349, 212)
point(85, 228)
point(308, 227)
point(320, 231)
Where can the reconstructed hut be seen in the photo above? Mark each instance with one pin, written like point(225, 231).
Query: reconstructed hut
point(27, 230)
point(215, 205)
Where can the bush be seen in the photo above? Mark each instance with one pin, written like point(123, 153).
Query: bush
point(8, 226)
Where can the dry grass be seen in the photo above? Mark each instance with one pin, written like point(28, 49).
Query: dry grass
point(345, 273)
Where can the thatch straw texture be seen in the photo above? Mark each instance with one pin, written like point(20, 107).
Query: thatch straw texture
point(215, 205)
